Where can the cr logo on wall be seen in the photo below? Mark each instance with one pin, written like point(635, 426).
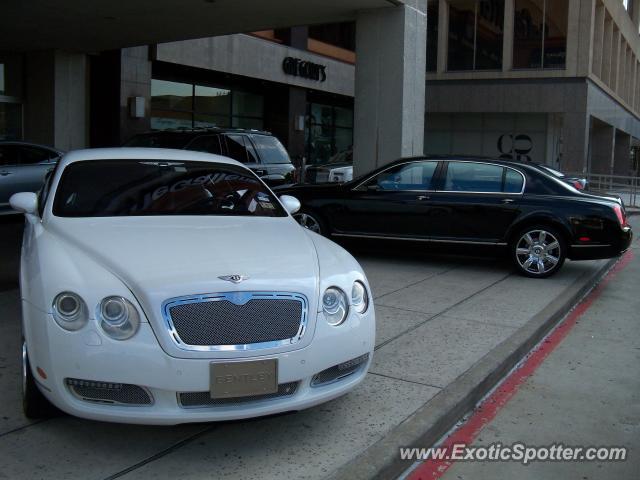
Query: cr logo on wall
point(515, 147)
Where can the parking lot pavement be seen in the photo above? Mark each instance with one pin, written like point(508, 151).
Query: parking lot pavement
point(437, 317)
point(586, 393)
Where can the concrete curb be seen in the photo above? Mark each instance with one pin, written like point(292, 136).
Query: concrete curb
point(434, 419)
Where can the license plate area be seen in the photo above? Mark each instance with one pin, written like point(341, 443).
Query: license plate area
point(243, 379)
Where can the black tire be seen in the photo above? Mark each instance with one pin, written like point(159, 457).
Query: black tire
point(311, 221)
point(34, 403)
point(539, 255)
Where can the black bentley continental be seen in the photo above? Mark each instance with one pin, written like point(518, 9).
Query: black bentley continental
point(519, 208)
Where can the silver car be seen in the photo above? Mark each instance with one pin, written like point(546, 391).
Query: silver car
point(23, 167)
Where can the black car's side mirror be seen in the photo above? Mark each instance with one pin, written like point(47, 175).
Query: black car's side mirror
point(373, 188)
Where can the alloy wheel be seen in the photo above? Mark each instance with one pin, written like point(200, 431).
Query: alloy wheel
point(309, 222)
point(538, 252)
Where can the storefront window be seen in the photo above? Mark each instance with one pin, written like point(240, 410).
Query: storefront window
point(10, 121)
point(171, 95)
point(475, 34)
point(10, 98)
point(540, 33)
point(185, 105)
point(329, 132)
point(433, 11)
point(216, 101)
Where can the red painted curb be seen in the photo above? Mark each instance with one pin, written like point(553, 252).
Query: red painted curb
point(489, 408)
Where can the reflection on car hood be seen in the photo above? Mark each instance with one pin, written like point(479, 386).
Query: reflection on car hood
point(162, 257)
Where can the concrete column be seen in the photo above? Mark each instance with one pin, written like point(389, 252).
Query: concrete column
point(635, 13)
point(621, 154)
point(602, 147)
point(389, 85)
point(297, 108)
point(443, 35)
point(135, 81)
point(598, 40)
point(56, 106)
point(606, 50)
point(615, 59)
point(507, 39)
point(575, 142)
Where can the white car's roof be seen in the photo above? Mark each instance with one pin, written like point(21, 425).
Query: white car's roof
point(135, 153)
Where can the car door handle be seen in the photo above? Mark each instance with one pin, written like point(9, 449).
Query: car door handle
point(507, 200)
point(423, 197)
point(4, 174)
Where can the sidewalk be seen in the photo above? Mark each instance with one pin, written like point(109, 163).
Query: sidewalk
point(585, 393)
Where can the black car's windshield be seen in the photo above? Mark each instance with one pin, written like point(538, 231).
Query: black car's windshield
point(116, 188)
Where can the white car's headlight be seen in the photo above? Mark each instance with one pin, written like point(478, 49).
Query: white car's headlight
point(70, 311)
point(118, 317)
point(335, 306)
point(359, 297)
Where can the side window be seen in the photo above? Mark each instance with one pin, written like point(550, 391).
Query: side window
point(251, 151)
point(513, 181)
point(236, 148)
point(8, 155)
point(473, 177)
point(206, 143)
point(410, 176)
point(32, 155)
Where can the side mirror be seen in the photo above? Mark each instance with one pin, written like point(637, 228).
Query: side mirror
point(24, 202)
point(291, 204)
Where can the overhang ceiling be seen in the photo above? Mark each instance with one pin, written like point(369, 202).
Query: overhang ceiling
point(95, 25)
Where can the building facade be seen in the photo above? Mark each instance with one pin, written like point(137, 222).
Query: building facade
point(550, 81)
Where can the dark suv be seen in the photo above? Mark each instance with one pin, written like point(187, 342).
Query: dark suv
point(260, 151)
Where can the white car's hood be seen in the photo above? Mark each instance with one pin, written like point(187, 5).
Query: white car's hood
point(164, 257)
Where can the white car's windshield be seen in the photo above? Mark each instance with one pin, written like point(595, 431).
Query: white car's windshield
point(110, 188)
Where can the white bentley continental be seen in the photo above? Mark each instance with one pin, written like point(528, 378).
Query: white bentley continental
point(167, 286)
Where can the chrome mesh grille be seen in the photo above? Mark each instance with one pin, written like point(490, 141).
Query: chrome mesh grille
point(103, 392)
point(203, 399)
point(226, 320)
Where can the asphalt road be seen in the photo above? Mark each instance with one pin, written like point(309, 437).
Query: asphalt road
point(437, 316)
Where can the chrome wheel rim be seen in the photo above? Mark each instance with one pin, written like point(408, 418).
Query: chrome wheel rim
point(308, 222)
point(24, 368)
point(538, 252)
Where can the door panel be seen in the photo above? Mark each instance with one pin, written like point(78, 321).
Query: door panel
point(396, 202)
point(481, 200)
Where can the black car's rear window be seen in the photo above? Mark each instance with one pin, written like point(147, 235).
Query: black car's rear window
point(116, 188)
point(271, 150)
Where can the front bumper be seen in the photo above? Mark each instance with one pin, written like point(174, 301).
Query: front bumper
point(90, 355)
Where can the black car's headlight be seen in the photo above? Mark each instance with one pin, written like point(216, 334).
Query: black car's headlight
point(118, 317)
point(359, 297)
point(70, 311)
point(335, 306)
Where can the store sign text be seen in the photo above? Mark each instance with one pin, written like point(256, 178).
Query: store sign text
point(304, 69)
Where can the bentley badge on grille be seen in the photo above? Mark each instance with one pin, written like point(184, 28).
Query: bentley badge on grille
point(234, 278)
